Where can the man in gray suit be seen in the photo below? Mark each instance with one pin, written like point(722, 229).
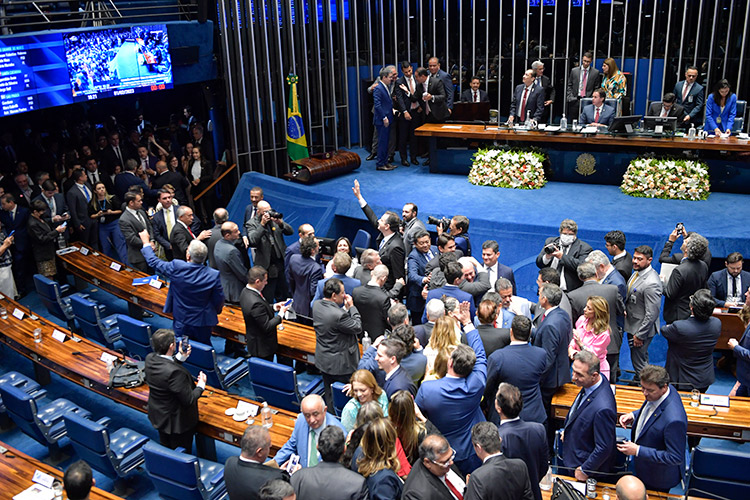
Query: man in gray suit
point(229, 263)
point(690, 95)
point(336, 335)
point(329, 476)
point(78, 199)
point(266, 235)
point(642, 306)
point(581, 83)
point(132, 221)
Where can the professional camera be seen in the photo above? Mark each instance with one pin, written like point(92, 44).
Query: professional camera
point(275, 215)
point(443, 223)
point(550, 249)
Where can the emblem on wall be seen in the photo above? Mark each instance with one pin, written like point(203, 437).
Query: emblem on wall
point(585, 164)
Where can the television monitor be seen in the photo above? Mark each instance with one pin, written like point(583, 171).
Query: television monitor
point(660, 124)
point(624, 124)
point(118, 61)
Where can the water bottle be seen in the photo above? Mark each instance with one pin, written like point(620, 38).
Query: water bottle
point(266, 416)
point(366, 342)
point(527, 123)
point(546, 483)
point(563, 123)
point(691, 132)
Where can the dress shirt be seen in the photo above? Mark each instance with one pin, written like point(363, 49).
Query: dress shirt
point(686, 90)
point(492, 456)
point(86, 192)
point(492, 273)
point(385, 240)
point(94, 177)
point(548, 311)
point(508, 420)
point(137, 216)
point(455, 480)
point(646, 414)
point(52, 205)
point(195, 170)
point(734, 284)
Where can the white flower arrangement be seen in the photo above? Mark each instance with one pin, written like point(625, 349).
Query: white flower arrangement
point(671, 179)
point(508, 168)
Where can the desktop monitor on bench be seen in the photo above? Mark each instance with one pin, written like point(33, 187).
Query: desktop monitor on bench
point(660, 124)
point(624, 124)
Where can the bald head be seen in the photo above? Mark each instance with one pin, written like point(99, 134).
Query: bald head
point(305, 230)
point(630, 488)
point(314, 410)
point(230, 231)
point(263, 207)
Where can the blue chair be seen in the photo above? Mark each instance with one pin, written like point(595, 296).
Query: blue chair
point(120, 452)
point(183, 477)
point(719, 469)
point(136, 335)
point(361, 241)
point(613, 103)
point(21, 382)
point(221, 371)
point(339, 398)
point(43, 422)
point(54, 297)
point(739, 119)
point(93, 325)
point(278, 384)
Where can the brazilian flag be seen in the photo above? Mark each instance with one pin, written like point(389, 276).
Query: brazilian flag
point(296, 142)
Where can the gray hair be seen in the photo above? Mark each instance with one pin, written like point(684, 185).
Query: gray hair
point(589, 359)
point(432, 446)
point(552, 293)
point(569, 224)
point(597, 258)
point(181, 210)
point(535, 65)
point(696, 246)
point(435, 309)
point(380, 271)
point(503, 284)
point(586, 271)
point(198, 252)
point(386, 71)
point(254, 437)
point(486, 436)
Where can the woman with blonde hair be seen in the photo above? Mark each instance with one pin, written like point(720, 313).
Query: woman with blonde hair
point(106, 209)
point(444, 338)
point(613, 81)
point(592, 332)
point(365, 389)
point(379, 463)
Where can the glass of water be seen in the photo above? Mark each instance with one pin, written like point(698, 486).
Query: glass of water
point(37, 335)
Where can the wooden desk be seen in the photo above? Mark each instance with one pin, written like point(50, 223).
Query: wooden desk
point(547, 495)
point(731, 327)
point(87, 370)
point(295, 341)
point(17, 469)
point(733, 424)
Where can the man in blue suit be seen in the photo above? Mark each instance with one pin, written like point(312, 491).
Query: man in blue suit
point(521, 439)
point(127, 178)
point(311, 421)
point(383, 115)
point(598, 114)
point(304, 275)
point(340, 264)
point(521, 365)
point(454, 274)
point(416, 262)
point(658, 432)
point(729, 282)
point(528, 99)
point(452, 402)
point(493, 268)
point(15, 218)
point(589, 428)
point(195, 296)
point(690, 95)
point(741, 350)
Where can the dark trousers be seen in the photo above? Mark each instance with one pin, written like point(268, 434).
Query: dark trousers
point(406, 134)
point(383, 134)
point(329, 379)
point(200, 334)
point(182, 440)
point(547, 393)
point(614, 367)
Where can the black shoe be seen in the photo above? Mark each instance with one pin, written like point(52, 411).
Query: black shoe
point(390, 159)
point(405, 163)
point(387, 166)
point(414, 161)
point(371, 157)
point(147, 314)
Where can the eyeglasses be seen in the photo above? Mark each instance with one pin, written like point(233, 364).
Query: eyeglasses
point(447, 463)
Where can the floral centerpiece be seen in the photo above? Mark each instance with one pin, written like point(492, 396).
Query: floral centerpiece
point(667, 178)
point(508, 168)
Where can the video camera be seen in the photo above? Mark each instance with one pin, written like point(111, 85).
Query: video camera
point(443, 223)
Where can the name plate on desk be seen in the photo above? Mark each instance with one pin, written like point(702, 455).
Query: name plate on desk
point(84, 251)
point(155, 283)
point(243, 407)
point(17, 313)
point(714, 400)
point(58, 335)
point(116, 266)
point(43, 478)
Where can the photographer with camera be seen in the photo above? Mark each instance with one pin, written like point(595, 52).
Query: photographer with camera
point(666, 256)
point(565, 253)
point(266, 233)
point(458, 227)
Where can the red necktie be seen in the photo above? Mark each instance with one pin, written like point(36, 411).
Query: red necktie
point(685, 88)
point(523, 104)
point(191, 233)
point(596, 116)
point(583, 83)
point(453, 489)
point(476, 97)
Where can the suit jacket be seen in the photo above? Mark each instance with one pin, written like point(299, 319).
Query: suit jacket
point(195, 296)
point(374, 304)
point(716, 118)
point(676, 111)
point(299, 442)
point(503, 271)
point(742, 353)
point(642, 304)
point(570, 261)
point(468, 96)
point(661, 458)
point(686, 279)
point(42, 238)
point(615, 278)
point(580, 296)
point(452, 404)
point(232, 270)
point(523, 366)
point(400, 381)
point(260, 324)
point(413, 364)
point(349, 285)
point(553, 335)
point(693, 104)
point(178, 181)
point(124, 180)
point(130, 227)
point(329, 480)
point(173, 396)
point(690, 361)
point(593, 82)
point(512, 473)
point(534, 103)
point(717, 283)
point(410, 228)
point(391, 253)
point(244, 479)
point(180, 240)
point(265, 240)
point(527, 441)
point(478, 287)
point(538, 313)
point(109, 159)
point(60, 207)
point(450, 90)
point(293, 249)
point(451, 291)
point(590, 432)
point(304, 274)
point(606, 115)
point(336, 334)
point(159, 223)
point(624, 265)
point(439, 105)
point(423, 332)
point(416, 264)
point(79, 206)
point(383, 106)
point(492, 338)
point(421, 484)
point(667, 257)
point(22, 199)
point(19, 225)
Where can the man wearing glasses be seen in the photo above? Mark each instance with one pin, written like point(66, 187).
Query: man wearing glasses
point(434, 476)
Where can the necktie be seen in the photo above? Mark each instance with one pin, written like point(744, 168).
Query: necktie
point(191, 233)
point(685, 89)
point(734, 287)
point(648, 409)
point(412, 88)
point(523, 104)
point(313, 460)
point(596, 116)
point(119, 156)
point(86, 192)
point(632, 281)
point(426, 103)
point(141, 220)
point(51, 203)
point(169, 221)
point(476, 97)
point(664, 111)
point(453, 489)
point(382, 243)
point(582, 91)
point(576, 404)
point(94, 177)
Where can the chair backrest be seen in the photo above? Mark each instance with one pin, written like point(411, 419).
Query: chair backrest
point(275, 383)
point(136, 335)
point(90, 440)
point(49, 293)
point(739, 119)
point(22, 410)
point(85, 309)
point(339, 398)
point(174, 474)
point(361, 240)
point(721, 470)
point(613, 103)
point(203, 359)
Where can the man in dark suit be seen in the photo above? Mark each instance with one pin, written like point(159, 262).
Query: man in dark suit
point(437, 73)
point(383, 118)
point(165, 176)
point(434, 475)
point(542, 81)
point(336, 334)
point(266, 235)
point(15, 218)
point(115, 155)
point(173, 397)
point(229, 263)
point(433, 310)
point(565, 253)
point(340, 264)
point(607, 274)
point(547, 275)
point(164, 221)
point(658, 432)
point(57, 209)
point(304, 230)
point(127, 178)
point(642, 306)
point(184, 232)
point(666, 256)
point(614, 242)
point(667, 108)
point(304, 274)
point(78, 199)
point(475, 282)
point(493, 267)
point(598, 113)
point(95, 174)
point(146, 160)
point(132, 221)
point(411, 226)
point(527, 100)
point(260, 321)
point(496, 469)
point(245, 474)
point(521, 439)
point(492, 338)
point(329, 476)
point(220, 216)
point(453, 275)
point(452, 402)
point(434, 98)
point(251, 210)
point(691, 96)
point(195, 296)
point(474, 93)
point(420, 255)
point(582, 81)
point(589, 428)
point(408, 99)
point(23, 190)
point(687, 278)
point(374, 303)
point(730, 282)
point(390, 375)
